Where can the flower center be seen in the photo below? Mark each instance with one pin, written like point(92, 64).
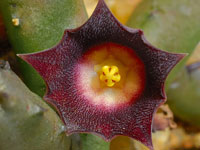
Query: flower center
point(110, 75)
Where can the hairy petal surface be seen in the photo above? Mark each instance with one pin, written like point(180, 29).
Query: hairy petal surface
point(58, 67)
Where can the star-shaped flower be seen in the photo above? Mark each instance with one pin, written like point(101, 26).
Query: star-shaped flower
point(105, 78)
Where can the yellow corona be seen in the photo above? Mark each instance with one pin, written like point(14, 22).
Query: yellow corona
point(110, 75)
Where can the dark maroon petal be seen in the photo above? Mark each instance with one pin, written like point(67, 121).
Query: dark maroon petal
point(57, 67)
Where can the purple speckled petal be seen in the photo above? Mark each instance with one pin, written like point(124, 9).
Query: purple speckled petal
point(56, 66)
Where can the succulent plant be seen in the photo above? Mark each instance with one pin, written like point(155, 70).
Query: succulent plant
point(167, 20)
point(184, 92)
point(36, 25)
point(169, 24)
point(105, 78)
point(26, 122)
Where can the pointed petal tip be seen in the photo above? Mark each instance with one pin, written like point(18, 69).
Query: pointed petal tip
point(181, 56)
point(150, 147)
point(101, 4)
point(25, 57)
point(101, 1)
point(19, 55)
point(22, 56)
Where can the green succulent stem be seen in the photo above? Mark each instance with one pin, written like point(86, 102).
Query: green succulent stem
point(170, 25)
point(184, 96)
point(26, 121)
point(36, 25)
point(174, 26)
point(90, 142)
